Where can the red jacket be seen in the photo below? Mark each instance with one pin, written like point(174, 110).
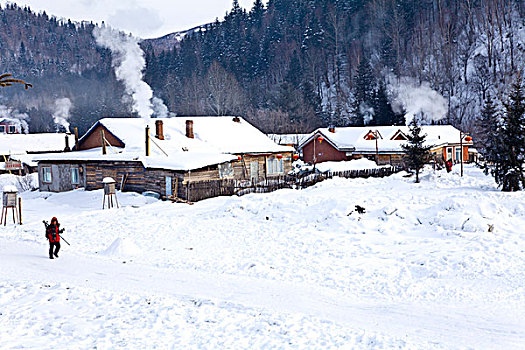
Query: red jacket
point(52, 233)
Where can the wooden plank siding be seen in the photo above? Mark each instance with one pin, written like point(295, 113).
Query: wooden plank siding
point(139, 179)
point(94, 140)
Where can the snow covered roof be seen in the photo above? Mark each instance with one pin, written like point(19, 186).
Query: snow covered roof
point(288, 139)
point(218, 134)
point(227, 134)
point(216, 140)
point(355, 138)
point(23, 143)
point(174, 161)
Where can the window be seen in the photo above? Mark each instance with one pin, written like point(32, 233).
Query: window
point(12, 129)
point(46, 174)
point(2, 129)
point(274, 166)
point(399, 136)
point(449, 153)
point(75, 176)
point(458, 154)
point(225, 170)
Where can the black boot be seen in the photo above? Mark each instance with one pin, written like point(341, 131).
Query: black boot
point(51, 257)
point(56, 255)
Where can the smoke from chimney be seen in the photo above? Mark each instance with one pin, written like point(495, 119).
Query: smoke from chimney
point(128, 60)
point(417, 100)
point(61, 114)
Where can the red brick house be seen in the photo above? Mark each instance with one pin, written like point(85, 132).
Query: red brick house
point(381, 142)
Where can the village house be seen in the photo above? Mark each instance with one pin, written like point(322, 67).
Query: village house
point(17, 150)
point(8, 126)
point(382, 144)
point(176, 152)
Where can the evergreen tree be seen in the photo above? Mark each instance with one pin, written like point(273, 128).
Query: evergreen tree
point(383, 112)
point(509, 167)
point(364, 86)
point(488, 139)
point(416, 153)
point(364, 82)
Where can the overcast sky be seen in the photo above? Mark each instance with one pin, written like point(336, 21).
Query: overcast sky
point(143, 18)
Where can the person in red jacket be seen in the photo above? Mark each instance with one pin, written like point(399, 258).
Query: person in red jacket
point(53, 232)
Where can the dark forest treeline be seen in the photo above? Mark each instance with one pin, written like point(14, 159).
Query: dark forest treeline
point(288, 66)
point(296, 64)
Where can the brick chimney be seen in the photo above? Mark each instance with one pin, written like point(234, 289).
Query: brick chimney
point(67, 148)
point(331, 129)
point(189, 129)
point(159, 129)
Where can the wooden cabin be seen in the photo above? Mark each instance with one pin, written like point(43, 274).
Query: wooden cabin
point(177, 151)
point(382, 144)
point(258, 156)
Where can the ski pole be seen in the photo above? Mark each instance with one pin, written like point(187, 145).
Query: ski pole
point(65, 240)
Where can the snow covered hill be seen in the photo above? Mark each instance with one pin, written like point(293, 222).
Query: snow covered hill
point(418, 269)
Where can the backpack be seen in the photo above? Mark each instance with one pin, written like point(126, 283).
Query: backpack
point(51, 232)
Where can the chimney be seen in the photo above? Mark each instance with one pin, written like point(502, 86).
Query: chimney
point(147, 141)
point(236, 119)
point(189, 129)
point(67, 149)
point(159, 129)
point(103, 142)
point(331, 129)
point(76, 139)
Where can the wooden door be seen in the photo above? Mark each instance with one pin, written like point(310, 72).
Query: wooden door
point(254, 171)
point(169, 188)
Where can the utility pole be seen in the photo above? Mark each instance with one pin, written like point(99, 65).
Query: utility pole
point(468, 139)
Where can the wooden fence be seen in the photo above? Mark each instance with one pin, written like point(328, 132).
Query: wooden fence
point(199, 190)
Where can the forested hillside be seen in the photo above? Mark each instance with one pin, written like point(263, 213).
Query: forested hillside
point(288, 66)
point(61, 60)
point(302, 63)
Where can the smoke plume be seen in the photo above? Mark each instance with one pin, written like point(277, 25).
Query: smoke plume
point(61, 114)
point(417, 100)
point(160, 110)
point(15, 117)
point(128, 60)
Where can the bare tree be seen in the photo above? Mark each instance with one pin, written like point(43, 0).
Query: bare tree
point(224, 95)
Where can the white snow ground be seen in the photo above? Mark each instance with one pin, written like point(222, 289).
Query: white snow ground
point(289, 269)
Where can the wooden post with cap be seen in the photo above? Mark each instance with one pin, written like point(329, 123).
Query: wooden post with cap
point(103, 141)
point(147, 141)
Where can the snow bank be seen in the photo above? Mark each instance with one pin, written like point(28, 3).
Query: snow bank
point(356, 164)
point(122, 247)
point(441, 260)
point(21, 183)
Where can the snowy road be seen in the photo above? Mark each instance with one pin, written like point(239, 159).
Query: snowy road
point(450, 326)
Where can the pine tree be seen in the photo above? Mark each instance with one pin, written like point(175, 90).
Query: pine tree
point(383, 112)
point(363, 92)
point(509, 167)
point(488, 139)
point(416, 153)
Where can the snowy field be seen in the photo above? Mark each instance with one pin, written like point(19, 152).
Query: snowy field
point(290, 269)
